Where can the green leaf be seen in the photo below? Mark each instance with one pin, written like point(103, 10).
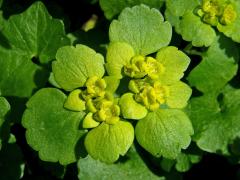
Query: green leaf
point(11, 162)
point(185, 161)
point(19, 76)
point(193, 29)
point(35, 33)
point(175, 62)
point(52, 81)
point(112, 83)
point(147, 35)
point(180, 13)
point(130, 109)
point(179, 93)
point(31, 34)
point(106, 142)
point(164, 132)
point(175, 9)
point(74, 102)
point(114, 7)
point(118, 55)
point(75, 65)
point(216, 119)
point(180, 7)
point(4, 109)
point(232, 30)
point(217, 67)
point(51, 129)
point(131, 168)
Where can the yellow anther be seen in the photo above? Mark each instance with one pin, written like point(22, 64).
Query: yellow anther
point(141, 66)
point(215, 11)
point(162, 92)
point(212, 7)
point(108, 112)
point(153, 68)
point(96, 86)
point(137, 85)
point(229, 15)
point(135, 68)
point(152, 96)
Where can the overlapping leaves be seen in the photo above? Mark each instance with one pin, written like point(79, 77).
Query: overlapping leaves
point(183, 15)
point(32, 34)
point(214, 115)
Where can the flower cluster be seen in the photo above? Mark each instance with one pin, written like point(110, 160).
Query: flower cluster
point(217, 11)
point(96, 101)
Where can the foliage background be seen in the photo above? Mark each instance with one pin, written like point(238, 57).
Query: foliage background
point(75, 14)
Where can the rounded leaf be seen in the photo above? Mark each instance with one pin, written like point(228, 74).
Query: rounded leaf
point(74, 65)
point(114, 7)
point(130, 109)
point(51, 129)
point(118, 55)
point(175, 63)
point(141, 27)
point(106, 142)
point(193, 29)
point(164, 132)
point(179, 94)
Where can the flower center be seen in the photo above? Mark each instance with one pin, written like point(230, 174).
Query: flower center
point(141, 66)
point(217, 11)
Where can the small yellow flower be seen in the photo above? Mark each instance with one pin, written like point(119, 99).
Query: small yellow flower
point(229, 15)
point(96, 87)
point(108, 112)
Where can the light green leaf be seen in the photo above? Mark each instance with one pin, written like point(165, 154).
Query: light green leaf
point(232, 30)
point(114, 7)
point(180, 13)
point(75, 65)
point(31, 34)
point(52, 81)
point(118, 55)
point(74, 102)
point(4, 109)
point(217, 67)
point(134, 168)
point(175, 9)
point(193, 29)
point(130, 109)
point(164, 132)
point(147, 35)
point(216, 120)
point(51, 129)
point(179, 93)
point(112, 83)
point(106, 142)
point(180, 7)
point(175, 62)
point(11, 162)
point(89, 122)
